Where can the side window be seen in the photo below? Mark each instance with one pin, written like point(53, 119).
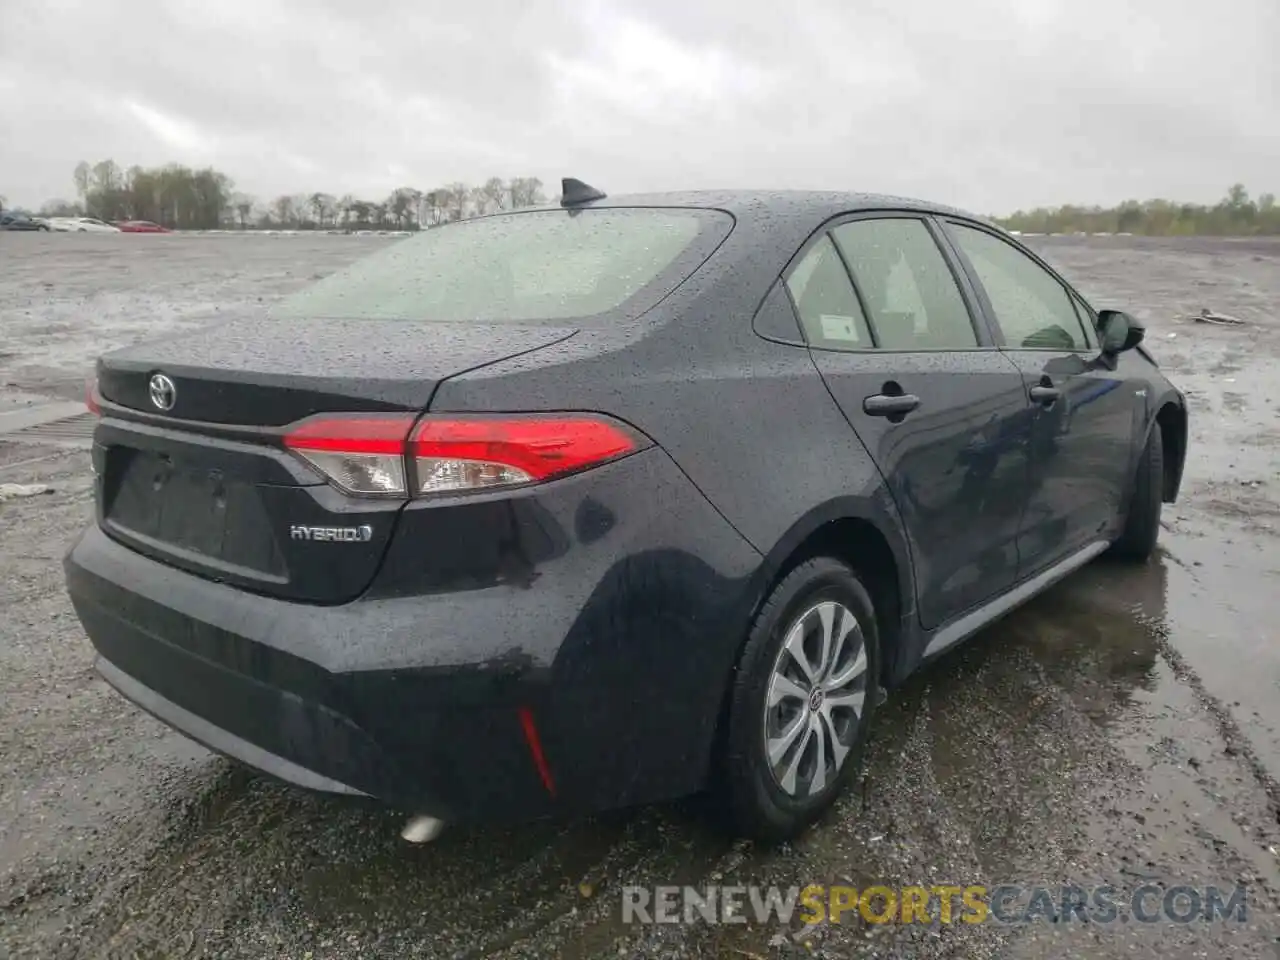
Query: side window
point(828, 307)
point(1032, 308)
point(906, 285)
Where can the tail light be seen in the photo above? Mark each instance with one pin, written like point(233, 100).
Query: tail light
point(478, 453)
point(91, 397)
point(363, 455)
point(400, 455)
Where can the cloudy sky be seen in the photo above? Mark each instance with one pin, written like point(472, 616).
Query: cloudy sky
point(987, 104)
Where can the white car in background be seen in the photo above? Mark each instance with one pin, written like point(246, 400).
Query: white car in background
point(81, 225)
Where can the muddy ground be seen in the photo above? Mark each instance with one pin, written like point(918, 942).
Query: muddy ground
point(1123, 728)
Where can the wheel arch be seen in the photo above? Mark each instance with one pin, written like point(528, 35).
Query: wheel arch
point(857, 532)
point(1171, 421)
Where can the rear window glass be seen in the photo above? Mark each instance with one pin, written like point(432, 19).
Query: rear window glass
point(548, 265)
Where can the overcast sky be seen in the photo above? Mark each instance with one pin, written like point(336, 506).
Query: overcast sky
point(986, 104)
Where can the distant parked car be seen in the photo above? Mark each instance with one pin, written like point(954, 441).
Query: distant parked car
point(20, 221)
point(140, 226)
point(81, 225)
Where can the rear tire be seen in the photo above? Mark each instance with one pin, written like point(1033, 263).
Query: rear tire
point(1137, 540)
point(814, 651)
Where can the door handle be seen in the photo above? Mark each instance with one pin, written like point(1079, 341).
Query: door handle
point(884, 405)
point(1045, 395)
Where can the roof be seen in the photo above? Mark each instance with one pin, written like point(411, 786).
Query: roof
point(801, 204)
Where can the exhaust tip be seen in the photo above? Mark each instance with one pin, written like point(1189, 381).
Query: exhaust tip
point(422, 829)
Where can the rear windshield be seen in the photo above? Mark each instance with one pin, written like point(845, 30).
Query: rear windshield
point(546, 265)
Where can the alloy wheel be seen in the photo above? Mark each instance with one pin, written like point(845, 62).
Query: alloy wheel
point(815, 700)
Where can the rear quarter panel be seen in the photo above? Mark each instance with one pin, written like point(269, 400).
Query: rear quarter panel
point(749, 421)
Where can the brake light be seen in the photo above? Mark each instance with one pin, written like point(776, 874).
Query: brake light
point(91, 397)
point(361, 454)
point(376, 455)
point(478, 453)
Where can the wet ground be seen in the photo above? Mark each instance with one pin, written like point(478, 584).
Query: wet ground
point(1121, 729)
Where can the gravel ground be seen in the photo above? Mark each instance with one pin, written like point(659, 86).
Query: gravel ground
point(1121, 729)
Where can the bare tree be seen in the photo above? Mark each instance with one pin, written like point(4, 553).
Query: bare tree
point(345, 206)
point(81, 178)
point(242, 203)
point(283, 209)
point(415, 207)
point(493, 197)
point(436, 201)
point(399, 205)
point(456, 197)
point(526, 192)
point(107, 176)
point(323, 206)
point(362, 211)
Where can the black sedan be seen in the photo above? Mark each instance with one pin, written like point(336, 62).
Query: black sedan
point(612, 502)
point(22, 222)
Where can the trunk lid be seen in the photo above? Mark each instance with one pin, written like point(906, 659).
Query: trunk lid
point(268, 373)
point(206, 485)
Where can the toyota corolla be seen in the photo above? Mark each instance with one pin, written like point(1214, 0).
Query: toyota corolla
point(607, 503)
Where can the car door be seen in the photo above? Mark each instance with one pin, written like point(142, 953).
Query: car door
point(940, 410)
point(1085, 413)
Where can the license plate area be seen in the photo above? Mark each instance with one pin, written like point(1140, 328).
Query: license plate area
point(196, 512)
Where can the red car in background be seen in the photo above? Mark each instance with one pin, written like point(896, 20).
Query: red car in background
point(141, 226)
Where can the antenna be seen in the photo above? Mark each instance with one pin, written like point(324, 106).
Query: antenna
point(574, 192)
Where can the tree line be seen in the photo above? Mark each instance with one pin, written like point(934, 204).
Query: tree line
point(201, 199)
point(1236, 214)
point(183, 198)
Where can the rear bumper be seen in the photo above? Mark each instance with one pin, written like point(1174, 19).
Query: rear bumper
point(611, 617)
point(216, 738)
point(202, 657)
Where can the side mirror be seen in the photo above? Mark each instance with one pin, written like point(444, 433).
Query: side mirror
point(1118, 332)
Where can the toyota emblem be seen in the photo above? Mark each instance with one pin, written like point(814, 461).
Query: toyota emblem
point(162, 391)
